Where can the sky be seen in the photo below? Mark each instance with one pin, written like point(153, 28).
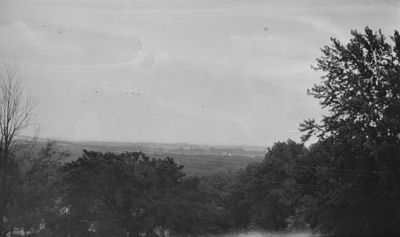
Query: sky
point(213, 72)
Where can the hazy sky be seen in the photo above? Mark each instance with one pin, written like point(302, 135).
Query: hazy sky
point(205, 71)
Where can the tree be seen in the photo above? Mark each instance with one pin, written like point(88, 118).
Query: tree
point(266, 193)
point(359, 138)
point(39, 184)
point(218, 188)
point(130, 194)
point(277, 190)
point(16, 109)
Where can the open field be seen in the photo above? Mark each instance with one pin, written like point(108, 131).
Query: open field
point(197, 160)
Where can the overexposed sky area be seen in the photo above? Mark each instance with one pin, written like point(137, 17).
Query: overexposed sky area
point(195, 71)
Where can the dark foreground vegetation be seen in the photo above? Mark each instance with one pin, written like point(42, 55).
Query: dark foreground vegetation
point(346, 183)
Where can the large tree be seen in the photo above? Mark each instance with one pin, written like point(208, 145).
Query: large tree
point(16, 109)
point(358, 183)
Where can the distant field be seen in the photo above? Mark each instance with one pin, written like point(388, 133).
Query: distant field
point(205, 164)
point(203, 160)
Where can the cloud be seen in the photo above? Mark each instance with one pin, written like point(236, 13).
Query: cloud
point(275, 44)
point(322, 24)
point(147, 58)
point(253, 44)
point(17, 40)
point(204, 68)
point(60, 44)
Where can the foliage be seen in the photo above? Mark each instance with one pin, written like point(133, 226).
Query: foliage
point(265, 194)
point(358, 154)
point(218, 188)
point(16, 109)
point(38, 189)
point(132, 194)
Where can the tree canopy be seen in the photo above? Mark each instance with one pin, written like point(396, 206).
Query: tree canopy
point(132, 194)
point(360, 88)
point(359, 138)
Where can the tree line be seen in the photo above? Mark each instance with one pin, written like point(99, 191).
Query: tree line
point(345, 183)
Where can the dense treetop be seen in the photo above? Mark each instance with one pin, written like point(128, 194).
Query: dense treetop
point(360, 88)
